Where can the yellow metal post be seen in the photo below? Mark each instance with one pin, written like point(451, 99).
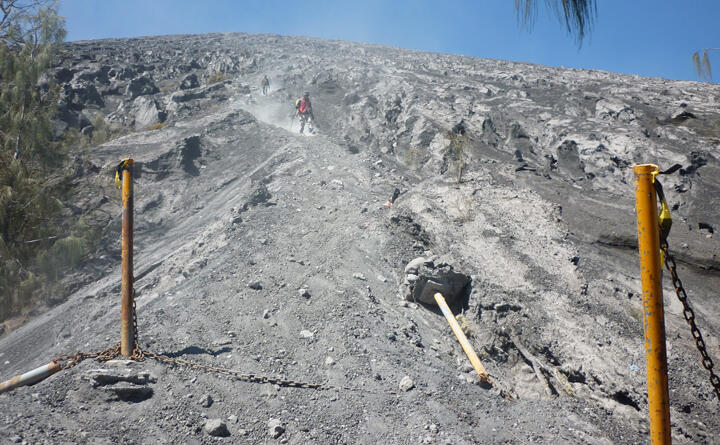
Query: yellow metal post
point(653, 313)
point(127, 339)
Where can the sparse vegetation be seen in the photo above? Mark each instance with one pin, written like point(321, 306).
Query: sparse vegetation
point(457, 152)
point(101, 132)
point(216, 77)
point(414, 157)
point(465, 326)
point(156, 126)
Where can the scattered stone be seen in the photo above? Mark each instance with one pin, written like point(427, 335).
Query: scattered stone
point(465, 367)
point(266, 314)
point(259, 195)
point(190, 81)
point(359, 276)
point(306, 334)
point(118, 362)
point(275, 428)
point(216, 428)
point(256, 285)
point(406, 384)
point(128, 392)
point(382, 279)
point(413, 265)
point(206, 401)
point(232, 418)
point(142, 86)
point(329, 361)
point(304, 293)
point(102, 377)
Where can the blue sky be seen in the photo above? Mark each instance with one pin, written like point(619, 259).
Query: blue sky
point(650, 38)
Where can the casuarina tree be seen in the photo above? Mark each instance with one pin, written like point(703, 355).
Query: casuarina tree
point(29, 158)
point(577, 15)
point(702, 66)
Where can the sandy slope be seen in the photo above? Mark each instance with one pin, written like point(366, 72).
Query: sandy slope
point(229, 198)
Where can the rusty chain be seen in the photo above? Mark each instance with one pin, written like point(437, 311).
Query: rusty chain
point(70, 360)
point(138, 354)
point(689, 315)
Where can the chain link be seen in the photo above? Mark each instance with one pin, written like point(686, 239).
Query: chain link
point(689, 315)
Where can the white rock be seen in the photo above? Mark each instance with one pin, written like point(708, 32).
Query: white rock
point(275, 428)
point(406, 384)
point(217, 428)
point(413, 265)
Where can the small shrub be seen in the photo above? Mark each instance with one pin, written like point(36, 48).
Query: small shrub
point(89, 233)
point(156, 126)
point(456, 149)
point(66, 252)
point(216, 77)
point(414, 157)
point(72, 138)
point(29, 286)
point(465, 326)
point(101, 131)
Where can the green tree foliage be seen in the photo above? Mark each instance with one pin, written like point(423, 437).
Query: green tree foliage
point(30, 160)
point(577, 15)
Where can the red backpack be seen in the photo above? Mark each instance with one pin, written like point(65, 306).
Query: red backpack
point(304, 106)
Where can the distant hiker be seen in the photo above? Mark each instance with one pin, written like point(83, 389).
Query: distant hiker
point(265, 83)
point(303, 109)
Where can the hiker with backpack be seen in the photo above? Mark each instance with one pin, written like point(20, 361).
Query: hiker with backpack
point(265, 83)
point(303, 109)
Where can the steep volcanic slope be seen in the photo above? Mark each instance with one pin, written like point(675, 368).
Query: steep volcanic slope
point(272, 253)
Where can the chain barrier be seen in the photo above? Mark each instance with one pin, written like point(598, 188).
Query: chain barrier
point(68, 361)
point(689, 315)
point(665, 222)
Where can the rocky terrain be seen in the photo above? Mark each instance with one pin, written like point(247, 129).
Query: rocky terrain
point(272, 253)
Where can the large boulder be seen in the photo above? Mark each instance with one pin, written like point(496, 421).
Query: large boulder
point(190, 81)
point(147, 112)
point(426, 276)
point(95, 74)
point(141, 86)
point(199, 93)
point(79, 94)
